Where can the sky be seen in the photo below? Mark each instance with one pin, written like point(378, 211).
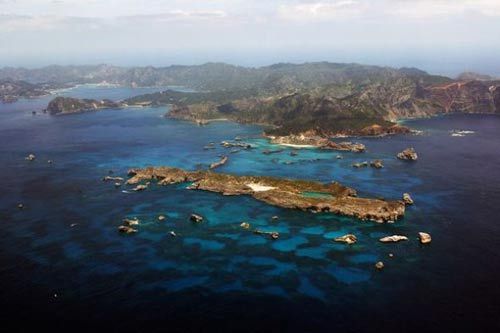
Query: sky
point(440, 36)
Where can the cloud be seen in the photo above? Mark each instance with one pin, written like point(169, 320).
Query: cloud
point(320, 11)
point(421, 9)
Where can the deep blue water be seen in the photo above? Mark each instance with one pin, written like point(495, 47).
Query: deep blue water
point(62, 258)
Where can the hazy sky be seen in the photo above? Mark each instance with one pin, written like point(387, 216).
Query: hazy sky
point(445, 36)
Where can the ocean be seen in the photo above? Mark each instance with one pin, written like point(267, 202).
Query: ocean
point(63, 260)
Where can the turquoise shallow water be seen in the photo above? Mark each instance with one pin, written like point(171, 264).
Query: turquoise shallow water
point(65, 242)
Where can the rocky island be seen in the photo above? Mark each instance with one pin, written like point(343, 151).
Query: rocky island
point(294, 194)
point(304, 140)
point(68, 105)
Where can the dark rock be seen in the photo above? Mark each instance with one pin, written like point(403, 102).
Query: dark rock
point(196, 218)
point(126, 230)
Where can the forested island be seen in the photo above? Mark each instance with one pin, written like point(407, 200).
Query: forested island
point(314, 99)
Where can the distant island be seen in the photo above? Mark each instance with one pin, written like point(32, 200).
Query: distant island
point(12, 90)
point(312, 99)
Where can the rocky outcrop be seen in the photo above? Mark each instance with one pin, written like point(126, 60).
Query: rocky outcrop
point(378, 130)
point(360, 165)
point(407, 199)
point(126, 229)
point(424, 237)
point(229, 144)
point(305, 140)
point(393, 239)
point(408, 154)
point(140, 187)
point(377, 164)
point(348, 239)
point(222, 161)
point(111, 178)
point(196, 218)
point(286, 193)
point(68, 105)
point(131, 222)
point(273, 234)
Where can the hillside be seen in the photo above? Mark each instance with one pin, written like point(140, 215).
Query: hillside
point(326, 98)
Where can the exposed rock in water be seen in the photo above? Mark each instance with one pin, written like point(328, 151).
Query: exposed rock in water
point(408, 154)
point(131, 222)
point(379, 265)
point(110, 178)
point(360, 165)
point(222, 161)
point(227, 144)
point(348, 239)
point(393, 239)
point(272, 234)
point(407, 199)
point(196, 218)
point(424, 237)
point(140, 187)
point(269, 152)
point(285, 193)
point(377, 164)
point(126, 230)
point(30, 157)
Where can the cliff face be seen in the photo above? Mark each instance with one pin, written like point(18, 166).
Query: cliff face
point(465, 97)
point(367, 110)
point(67, 105)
